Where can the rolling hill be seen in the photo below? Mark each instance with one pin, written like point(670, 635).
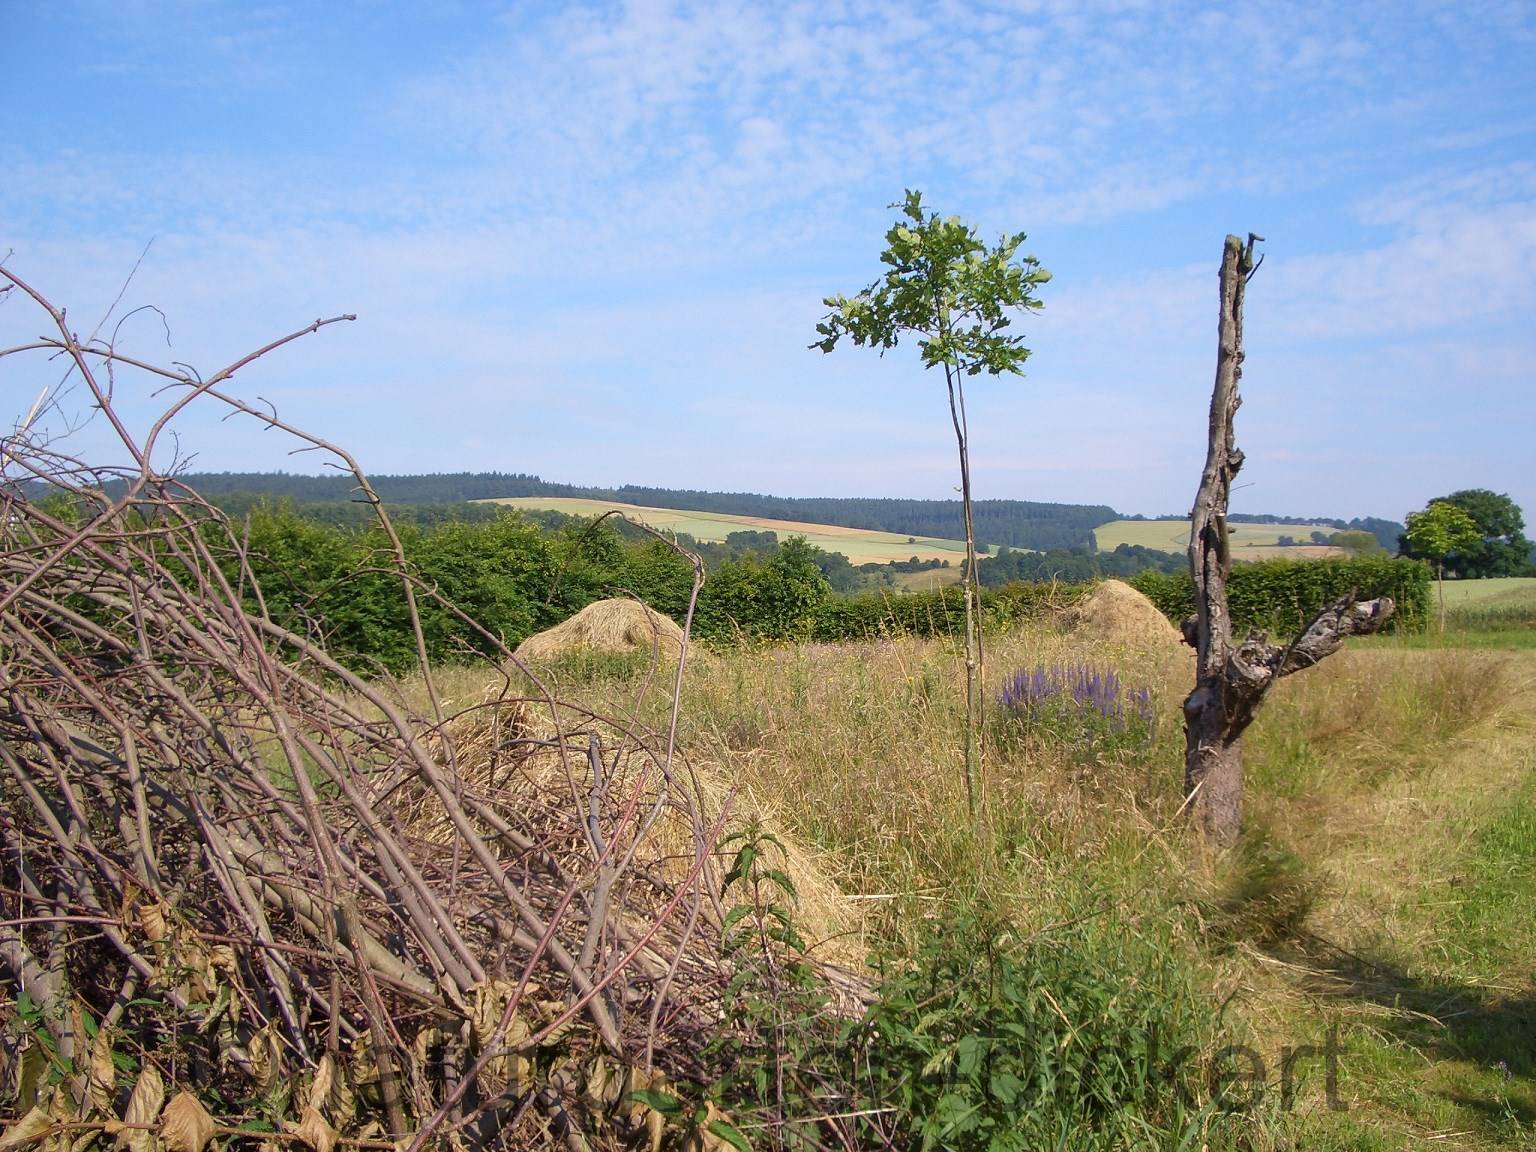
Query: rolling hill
point(1249, 541)
point(861, 546)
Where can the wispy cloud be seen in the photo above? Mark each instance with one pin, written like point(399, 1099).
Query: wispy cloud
point(611, 224)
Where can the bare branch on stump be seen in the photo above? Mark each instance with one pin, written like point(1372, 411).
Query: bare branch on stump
point(1231, 680)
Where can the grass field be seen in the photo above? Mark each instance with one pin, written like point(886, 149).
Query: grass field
point(1385, 894)
point(1249, 541)
point(928, 580)
point(859, 545)
point(1498, 590)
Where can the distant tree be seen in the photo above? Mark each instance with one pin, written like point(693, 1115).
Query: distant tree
point(947, 288)
point(1320, 538)
point(1500, 549)
point(752, 541)
point(1357, 542)
point(1385, 531)
point(1286, 542)
point(837, 568)
point(1440, 531)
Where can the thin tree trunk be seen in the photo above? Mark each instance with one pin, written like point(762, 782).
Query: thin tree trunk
point(972, 625)
point(1231, 681)
point(976, 696)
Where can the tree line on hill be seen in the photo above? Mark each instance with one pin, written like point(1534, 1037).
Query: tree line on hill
point(1015, 523)
point(1006, 523)
point(1061, 533)
point(428, 488)
point(1076, 565)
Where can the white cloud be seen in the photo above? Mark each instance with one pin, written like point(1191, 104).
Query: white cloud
point(611, 221)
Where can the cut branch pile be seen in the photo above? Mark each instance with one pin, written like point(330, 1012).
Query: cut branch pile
point(231, 865)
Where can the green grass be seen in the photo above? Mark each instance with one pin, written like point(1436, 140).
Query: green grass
point(1500, 589)
point(1494, 878)
point(1249, 541)
point(1502, 639)
point(859, 545)
point(1402, 775)
point(1497, 615)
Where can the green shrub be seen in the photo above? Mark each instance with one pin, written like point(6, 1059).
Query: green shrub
point(1093, 1037)
point(774, 1051)
point(871, 615)
point(773, 599)
point(1282, 596)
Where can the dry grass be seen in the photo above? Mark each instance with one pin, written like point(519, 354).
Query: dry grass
point(1373, 779)
point(1402, 780)
point(854, 752)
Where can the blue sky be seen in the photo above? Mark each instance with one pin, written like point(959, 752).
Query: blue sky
point(591, 241)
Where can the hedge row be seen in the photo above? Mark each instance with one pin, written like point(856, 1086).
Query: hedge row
point(1282, 596)
point(515, 578)
point(871, 615)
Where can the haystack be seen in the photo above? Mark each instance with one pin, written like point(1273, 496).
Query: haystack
point(606, 626)
point(526, 762)
point(1116, 612)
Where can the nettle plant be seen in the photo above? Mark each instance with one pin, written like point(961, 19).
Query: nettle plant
point(1083, 706)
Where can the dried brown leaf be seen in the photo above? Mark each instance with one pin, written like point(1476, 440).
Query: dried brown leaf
point(490, 1000)
point(703, 1138)
point(31, 1075)
point(222, 957)
point(320, 1090)
point(186, 1125)
point(142, 1112)
point(103, 1076)
point(314, 1131)
point(28, 1130)
point(642, 1114)
point(266, 1058)
point(152, 921)
point(604, 1084)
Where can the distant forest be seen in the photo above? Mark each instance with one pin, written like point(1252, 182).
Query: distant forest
point(1078, 566)
point(1010, 523)
point(999, 523)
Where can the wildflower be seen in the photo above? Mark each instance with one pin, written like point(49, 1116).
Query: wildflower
point(1088, 700)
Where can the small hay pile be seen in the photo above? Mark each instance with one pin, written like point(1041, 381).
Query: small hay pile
point(1117, 613)
point(511, 755)
point(606, 626)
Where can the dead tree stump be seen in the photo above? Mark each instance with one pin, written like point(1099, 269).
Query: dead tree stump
point(1231, 680)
